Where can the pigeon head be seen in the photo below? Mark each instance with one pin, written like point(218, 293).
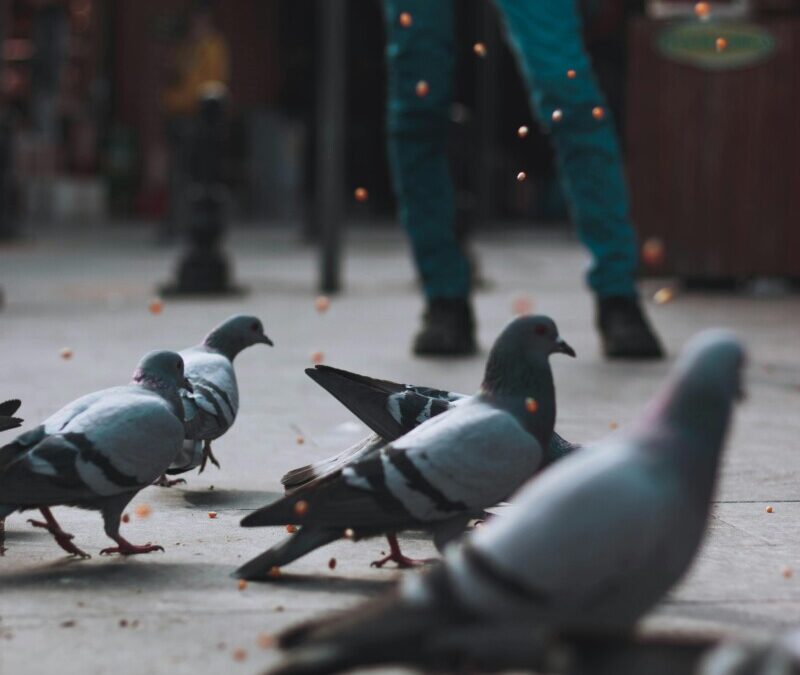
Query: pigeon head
point(706, 381)
point(237, 333)
point(162, 370)
point(520, 355)
point(518, 376)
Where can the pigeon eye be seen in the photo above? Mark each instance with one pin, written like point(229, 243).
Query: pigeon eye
point(254, 327)
point(541, 329)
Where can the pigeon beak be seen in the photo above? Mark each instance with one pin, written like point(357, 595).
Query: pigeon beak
point(187, 386)
point(265, 340)
point(564, 348)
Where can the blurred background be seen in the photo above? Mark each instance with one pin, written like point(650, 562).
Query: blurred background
point(97, 120)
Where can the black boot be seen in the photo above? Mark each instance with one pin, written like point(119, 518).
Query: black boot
point(624, 330)
point(448, 329)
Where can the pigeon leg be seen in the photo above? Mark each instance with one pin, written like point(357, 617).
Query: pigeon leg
point(63, 539)
point(208, 456)
point(2, 537)
point(125, 547)
point(396, 556)
point(164, 481)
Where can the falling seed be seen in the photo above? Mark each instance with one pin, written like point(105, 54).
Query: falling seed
point(422, 88)
point(143, 510)
point(65, 353)
point(557, 115)
point(571, 74)
point(787, 572)
point(531, 405)
point(317, 357)
point(522, 132)
point(322, 303)
point(274, 572)
point(212, 514)
point(125, 518)
point(361, 194)
point(663, 296)
point(301, 507)
point(265, 641)
point(300, 440)
point(702, 10)
point(242, 584)
point(123, 623)
point(156, 306)
point(349, 533)
point(722, 44)
point(521, 176)
point(613, 425)
point(406, 19)
point(522, 305)
point(239, 654)
point(598, 113)
point(291, 529)
point(480, 49)
point(332, 564)
point(279, 608)
point(769, 509)
point(653, 252)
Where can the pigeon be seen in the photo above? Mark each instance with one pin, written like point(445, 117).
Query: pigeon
point(589, 547)
point(7, 410)
point(390, 410)
point(441, 474)
point(210, 409)
point(759, 656)
point(98, 452)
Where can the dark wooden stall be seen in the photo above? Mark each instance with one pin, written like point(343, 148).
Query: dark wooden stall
point(713, 144)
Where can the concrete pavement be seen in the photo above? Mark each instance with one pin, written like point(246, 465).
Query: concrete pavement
point(180, 612)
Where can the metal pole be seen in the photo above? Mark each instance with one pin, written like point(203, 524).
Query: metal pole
point(330, 141)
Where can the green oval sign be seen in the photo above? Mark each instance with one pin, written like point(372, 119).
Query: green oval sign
point(695, 44)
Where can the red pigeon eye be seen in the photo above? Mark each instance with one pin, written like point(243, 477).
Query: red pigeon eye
point(254, 327)
point(541, 329)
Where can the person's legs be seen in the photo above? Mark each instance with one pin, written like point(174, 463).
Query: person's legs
point(417, 129)
point(546, 37)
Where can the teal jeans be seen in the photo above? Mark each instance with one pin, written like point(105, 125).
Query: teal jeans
point(546, 37)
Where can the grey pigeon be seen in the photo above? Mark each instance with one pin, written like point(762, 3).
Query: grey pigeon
point(390, 410)
point(442, 473)
point(7, 410)
point(98, 452)
point(779, 656)
point(211, 408)
point(589, 547)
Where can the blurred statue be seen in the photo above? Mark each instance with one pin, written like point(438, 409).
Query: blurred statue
point(201, 63)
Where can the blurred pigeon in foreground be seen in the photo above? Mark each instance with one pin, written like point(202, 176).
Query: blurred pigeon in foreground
point(774, 657)
point(211, 407)
point(7, 410)
point(390, 410)
point(590, 546)
point(98, 452)
point(441, 474)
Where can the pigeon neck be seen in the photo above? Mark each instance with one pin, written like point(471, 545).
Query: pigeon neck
point(158, 385)
point(527, 391)
point(691, 424)
point(216, 343)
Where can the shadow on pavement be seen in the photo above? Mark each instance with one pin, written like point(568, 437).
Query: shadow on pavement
point(114, 574)
point(234, 499)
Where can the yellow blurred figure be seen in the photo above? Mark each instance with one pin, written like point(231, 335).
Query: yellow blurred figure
point(202, 61)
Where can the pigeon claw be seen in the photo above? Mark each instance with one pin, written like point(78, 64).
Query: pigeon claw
point(208, 456)
point(126, 548)
point(63, 539)
point(163, 481)
point(396, 556)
